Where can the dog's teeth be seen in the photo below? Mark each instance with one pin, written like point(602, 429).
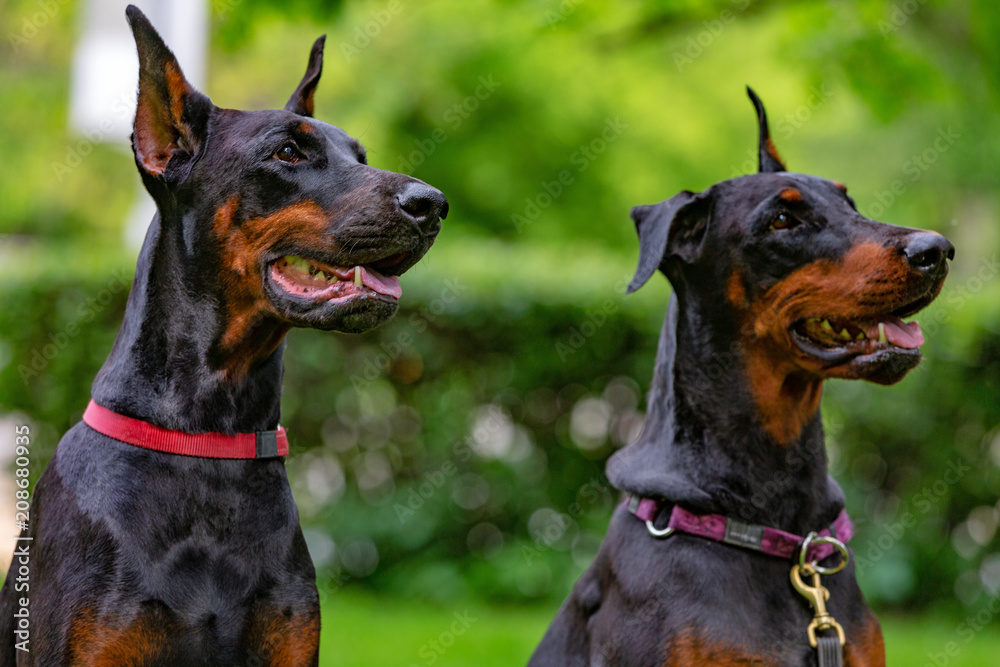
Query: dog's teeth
point(357, 276)
point(860, 336)
point(844, 334)
point(882, 338)
point(321, 275)
point(826, 325)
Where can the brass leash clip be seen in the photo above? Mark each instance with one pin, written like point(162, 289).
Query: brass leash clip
point(816, 594)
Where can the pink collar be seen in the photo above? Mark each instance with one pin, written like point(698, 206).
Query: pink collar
point(260, 445)
point(764, 539)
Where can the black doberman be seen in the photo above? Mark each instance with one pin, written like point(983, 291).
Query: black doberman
point(779, 284)
point(267, 220)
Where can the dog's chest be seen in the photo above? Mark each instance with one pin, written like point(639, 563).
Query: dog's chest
point(200, 564)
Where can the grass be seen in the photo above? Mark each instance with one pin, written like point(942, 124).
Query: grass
point(363, 630)
point(939, 642)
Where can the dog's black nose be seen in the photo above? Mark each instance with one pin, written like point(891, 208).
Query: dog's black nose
point(927, 252)
point(422, 202)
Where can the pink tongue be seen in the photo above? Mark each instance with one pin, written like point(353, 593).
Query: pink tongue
point(903, 334)
point(387, 285)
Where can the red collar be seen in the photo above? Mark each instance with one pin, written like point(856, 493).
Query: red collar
point(259, 445)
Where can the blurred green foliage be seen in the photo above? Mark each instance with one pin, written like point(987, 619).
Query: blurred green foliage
point(488, 406)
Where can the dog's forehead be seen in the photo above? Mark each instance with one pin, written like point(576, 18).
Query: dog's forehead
point(752, 189)
point(331, 132)
point(250, 125)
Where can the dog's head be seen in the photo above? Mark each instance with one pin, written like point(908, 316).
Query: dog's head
point(278, 211)
point(782, 267)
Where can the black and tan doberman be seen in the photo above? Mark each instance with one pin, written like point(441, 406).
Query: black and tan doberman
point(175, 540)
point(778, 285)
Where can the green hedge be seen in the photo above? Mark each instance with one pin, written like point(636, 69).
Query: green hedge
point(459, 450)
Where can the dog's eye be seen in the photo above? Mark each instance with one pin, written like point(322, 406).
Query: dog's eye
point(287, 153)
point(783, 221)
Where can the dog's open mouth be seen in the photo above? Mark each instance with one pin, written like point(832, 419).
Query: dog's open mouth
point(829, 338)
point(351, 295)
point(879, 348)
point(837, 340)
point(319, 281)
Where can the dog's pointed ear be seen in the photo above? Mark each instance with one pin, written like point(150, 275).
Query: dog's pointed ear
point(171, 117)
point(301, 101)
point(768, 158)
point(675, 227)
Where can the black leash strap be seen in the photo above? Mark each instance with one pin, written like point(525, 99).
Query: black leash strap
point(830, 652)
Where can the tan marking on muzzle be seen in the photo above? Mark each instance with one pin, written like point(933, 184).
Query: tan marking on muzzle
point(787, 385)
point(243, 244)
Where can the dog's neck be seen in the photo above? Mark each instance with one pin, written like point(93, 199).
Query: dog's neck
point(165, 366)
point(704, 445)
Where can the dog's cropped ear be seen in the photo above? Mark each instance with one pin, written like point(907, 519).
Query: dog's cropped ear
point(675, 227)
point(768, 158)
point(171, 117)
point(301, 101)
